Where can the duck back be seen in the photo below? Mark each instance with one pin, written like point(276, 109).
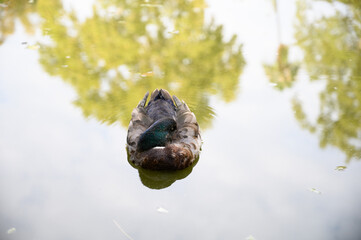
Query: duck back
point(160, 105)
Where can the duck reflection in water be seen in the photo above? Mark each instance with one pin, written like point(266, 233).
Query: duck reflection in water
point(164, 134)
point(163, 179)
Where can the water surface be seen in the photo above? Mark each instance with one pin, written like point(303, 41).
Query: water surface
point(275, 86)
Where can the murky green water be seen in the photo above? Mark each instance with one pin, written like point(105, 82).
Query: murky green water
point(276, 89)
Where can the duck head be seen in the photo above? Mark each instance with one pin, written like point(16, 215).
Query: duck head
point(157, 135)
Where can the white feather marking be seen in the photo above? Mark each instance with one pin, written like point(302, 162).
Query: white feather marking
point(158, 147)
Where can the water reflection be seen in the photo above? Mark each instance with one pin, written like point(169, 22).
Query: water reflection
point(65, 177)
point(162, 179)
point(10, 12)
point(283, 72)
point(332, 53)
point(128, 48)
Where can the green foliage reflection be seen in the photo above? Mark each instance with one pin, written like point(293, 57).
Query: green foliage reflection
point(10, 12)
point(128, 47)
point(332, 51)
point(283, 72)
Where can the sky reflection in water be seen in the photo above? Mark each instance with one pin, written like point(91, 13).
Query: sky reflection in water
point(274, 126)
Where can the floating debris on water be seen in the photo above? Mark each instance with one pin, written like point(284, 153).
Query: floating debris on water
point(162, 210)
point(33, 47)
point(315, 190)
point(147, 74)
point(174, 32)
point(121, 229)
point(340, 168)
point(11, 230)
point(250, 237)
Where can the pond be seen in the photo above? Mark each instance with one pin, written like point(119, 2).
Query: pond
point(275, 86)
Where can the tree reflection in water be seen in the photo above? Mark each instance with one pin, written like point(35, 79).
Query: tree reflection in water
point(127, 48)
point(283, 72)
point(10, 11)
point(332, 53)
point(331, 46)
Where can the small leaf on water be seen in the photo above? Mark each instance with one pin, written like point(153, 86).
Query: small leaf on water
point(340, 168)
point(162, 210)
point(315, 190)
point(147, 74)
point(174, 32)
point(11, 230)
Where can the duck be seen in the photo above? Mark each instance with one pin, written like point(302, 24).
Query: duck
point(163, 134)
